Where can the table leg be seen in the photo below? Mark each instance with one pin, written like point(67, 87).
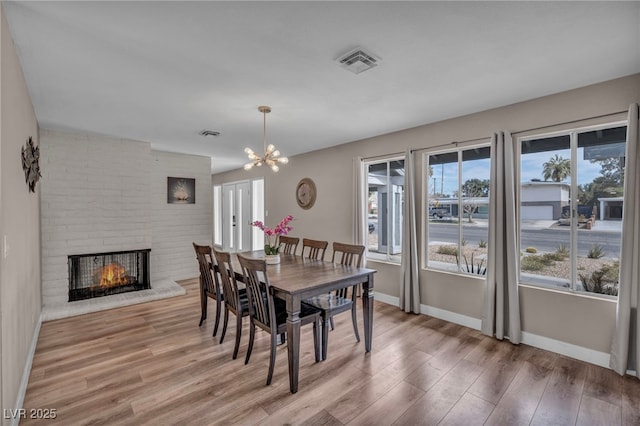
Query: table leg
point(367, 312)
point(293, 338)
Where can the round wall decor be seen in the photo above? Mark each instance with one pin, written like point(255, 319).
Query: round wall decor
point(31, 164)
point(306, 193)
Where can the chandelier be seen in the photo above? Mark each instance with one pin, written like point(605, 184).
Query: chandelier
point(271, 155)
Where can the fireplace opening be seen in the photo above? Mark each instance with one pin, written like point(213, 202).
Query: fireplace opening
point(103, 274)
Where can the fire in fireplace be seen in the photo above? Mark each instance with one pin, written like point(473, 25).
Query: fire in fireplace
point(103, 274)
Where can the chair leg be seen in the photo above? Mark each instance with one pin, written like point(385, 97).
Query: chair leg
point(283, 338)
point(252, 333)
point(224, 323)
point(218, 306)
point(331, 321)
point(203, 306)
point(238, 333)
point(272, 357)
point(354, 320)
point(325, 337)
point(317, 327)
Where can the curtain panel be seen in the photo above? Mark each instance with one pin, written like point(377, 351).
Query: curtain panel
point(409, 266)
point(502, 306)
point(360, 206)
point(625, 350)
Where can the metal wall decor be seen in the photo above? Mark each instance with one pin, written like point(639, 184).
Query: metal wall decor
point(31, 164)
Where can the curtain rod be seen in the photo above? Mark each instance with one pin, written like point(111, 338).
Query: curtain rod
point(571, 122)
point(456, 143)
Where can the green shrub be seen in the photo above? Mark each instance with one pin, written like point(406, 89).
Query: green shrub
point(563, 251)
point(448, 250)
point(463, 242)
point(553, 256)
point(531, 250)
point(603, 281)
point(595, 252)
point(536, 262)
point(475, 268)
point(482, 244)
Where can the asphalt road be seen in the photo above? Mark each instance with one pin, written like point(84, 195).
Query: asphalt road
point(545, 240)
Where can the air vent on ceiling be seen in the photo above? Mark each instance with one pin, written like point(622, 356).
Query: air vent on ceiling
point(209, 133)
point(358, 60)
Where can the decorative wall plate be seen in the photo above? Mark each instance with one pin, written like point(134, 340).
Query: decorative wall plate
point(31, 164)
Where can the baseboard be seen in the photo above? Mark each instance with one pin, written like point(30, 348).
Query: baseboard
point(22, 391)
point(567, 349)
point(442, 314)
point(453, 317)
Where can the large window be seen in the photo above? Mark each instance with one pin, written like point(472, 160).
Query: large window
point(457, 209)
point(571, 199)
point(385, 180)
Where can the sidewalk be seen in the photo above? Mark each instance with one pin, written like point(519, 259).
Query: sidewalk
point(600, 225)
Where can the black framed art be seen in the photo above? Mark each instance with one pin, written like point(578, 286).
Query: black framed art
point(181, 190)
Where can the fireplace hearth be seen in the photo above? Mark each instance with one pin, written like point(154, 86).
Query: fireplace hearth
point(102, 274)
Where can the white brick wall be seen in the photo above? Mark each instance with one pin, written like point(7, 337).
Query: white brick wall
point(103, 194)
point(176, 226)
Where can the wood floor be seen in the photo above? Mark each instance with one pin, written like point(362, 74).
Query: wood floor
point(152, 364)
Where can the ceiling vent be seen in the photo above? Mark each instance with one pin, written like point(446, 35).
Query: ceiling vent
point(209, 133)
point(358, 60)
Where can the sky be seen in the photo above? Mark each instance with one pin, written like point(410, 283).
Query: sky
point(530, 168)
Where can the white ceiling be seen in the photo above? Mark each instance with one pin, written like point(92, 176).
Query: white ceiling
point(163, 71)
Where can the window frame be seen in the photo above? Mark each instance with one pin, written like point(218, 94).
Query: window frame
point(573, 134)
point(425, 264)
point(375, 255)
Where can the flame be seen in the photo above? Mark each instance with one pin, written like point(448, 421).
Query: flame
point(112, 275)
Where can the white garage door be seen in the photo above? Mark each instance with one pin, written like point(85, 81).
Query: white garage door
point(536, 213)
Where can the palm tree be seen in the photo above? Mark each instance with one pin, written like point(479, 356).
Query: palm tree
point(556, 169)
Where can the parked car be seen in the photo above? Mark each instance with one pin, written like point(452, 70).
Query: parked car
point(437, 213)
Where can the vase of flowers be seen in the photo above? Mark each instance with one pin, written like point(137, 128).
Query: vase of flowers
point(272, 243)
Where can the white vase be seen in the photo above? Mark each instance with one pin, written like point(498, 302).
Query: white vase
point(272, 259)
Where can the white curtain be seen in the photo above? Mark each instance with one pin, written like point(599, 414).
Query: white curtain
point(360, 205)
point(625, 350)
point(502, 308)
point(410, 283)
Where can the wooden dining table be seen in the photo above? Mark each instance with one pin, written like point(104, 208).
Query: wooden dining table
point(297, 278)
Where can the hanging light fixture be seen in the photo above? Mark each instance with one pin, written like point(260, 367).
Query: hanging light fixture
point(271, 155)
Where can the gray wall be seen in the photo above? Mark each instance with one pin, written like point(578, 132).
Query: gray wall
point(20, 296)
point(576, 319)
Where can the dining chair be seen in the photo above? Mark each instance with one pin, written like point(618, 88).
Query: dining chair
point(290, 244)
point(209, 284)
point(339, 301)
point(269, 313)
point(235, 300)
point(316, 248)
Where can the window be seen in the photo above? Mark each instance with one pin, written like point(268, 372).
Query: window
point(385, 180)
point(571, 199)
point(457, 209)
point(217, 215)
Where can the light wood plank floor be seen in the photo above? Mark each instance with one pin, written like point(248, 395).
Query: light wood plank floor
point(151, 364)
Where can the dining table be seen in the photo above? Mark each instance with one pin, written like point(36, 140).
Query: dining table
point(297, 278)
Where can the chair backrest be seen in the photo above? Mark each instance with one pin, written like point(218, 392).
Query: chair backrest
point(290, 244)
point(347, 254)
point(208, 277)
point(261, 305)
point(316, 248)
point(228, 278)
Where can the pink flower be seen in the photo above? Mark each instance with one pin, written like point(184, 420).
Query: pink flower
point(281, 228)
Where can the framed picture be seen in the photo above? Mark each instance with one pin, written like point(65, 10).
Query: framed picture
point(181, 190)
